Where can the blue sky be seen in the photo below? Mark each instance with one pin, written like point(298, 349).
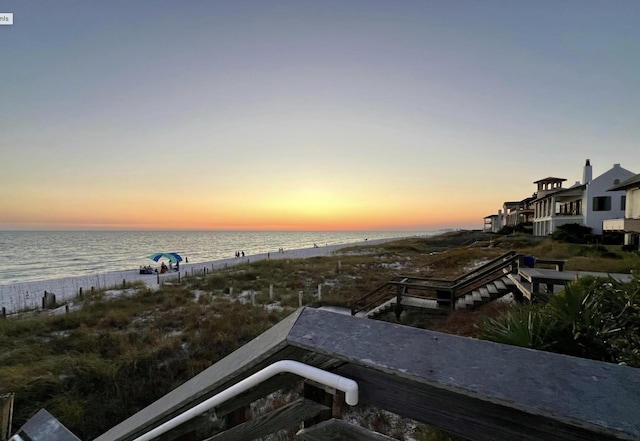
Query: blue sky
point(307, 114)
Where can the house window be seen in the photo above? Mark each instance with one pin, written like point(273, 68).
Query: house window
point(623, 202)
point(602, 203)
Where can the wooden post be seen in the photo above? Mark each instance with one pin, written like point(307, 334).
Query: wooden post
point(4, 312)
point(124, 283)
point(319, 291)
point(178, 276)
point(399, 290)
point(236, 417)
point(6, 416)
point(253, 297)
point(271, 292)
point(158, 278)
point(231, 290)
point(300, 298)
point(80, 292)
point(66, 309)
point(314, 393)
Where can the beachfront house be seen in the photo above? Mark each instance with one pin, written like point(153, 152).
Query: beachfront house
point(629, 224)
point(493, 223)
point(587, 203)
point(518, 212)
point(511, 215)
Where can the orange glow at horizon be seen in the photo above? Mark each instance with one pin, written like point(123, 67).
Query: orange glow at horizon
point(303, 205)
point(297, 214)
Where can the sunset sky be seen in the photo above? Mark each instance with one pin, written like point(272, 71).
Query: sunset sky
point(307, 115)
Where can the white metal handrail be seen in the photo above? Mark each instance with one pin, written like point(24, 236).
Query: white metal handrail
point(346, 385)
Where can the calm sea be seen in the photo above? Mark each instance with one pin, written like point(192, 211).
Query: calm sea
point(41, 255)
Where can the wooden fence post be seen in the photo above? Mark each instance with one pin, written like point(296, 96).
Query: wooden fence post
point(319, 291)
point(271, 292)
point(6, 416)
point(300, 298)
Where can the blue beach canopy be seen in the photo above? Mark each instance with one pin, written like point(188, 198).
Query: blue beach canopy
point(173, 257)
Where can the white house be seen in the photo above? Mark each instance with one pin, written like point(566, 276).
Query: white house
point(493, 223)
point(588, 203)
point(630, 222)
point(518, 212)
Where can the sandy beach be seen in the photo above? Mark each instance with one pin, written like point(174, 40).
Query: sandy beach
point(28, 295)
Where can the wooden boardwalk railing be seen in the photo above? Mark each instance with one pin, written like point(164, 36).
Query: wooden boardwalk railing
point(445, 291)
point(477, 389)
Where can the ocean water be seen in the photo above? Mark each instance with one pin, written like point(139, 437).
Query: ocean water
point(27, 256)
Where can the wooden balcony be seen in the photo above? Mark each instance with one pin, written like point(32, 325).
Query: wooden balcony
point(622, 225)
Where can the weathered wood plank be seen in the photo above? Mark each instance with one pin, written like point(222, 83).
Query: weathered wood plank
point(283, 418)
point(338, 430)
point(464, 415)
point(6, 415)
point(581, 396)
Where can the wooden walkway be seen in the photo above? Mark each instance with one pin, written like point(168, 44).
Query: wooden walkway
point(552, 280)
point(477, 389)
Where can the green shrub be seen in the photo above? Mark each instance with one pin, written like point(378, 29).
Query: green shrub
point(572, 233)
point(596, 318)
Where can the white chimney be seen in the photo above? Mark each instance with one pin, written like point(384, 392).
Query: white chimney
point(587, 173)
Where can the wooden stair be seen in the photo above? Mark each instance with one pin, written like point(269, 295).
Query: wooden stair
point(406, 302)
point(339, 430)
point(279, 419)
point(491, 291)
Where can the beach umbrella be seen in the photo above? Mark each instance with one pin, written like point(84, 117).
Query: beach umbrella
point(173, 257)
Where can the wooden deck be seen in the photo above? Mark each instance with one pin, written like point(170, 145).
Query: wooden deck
point(477, 389)
point(552, 280)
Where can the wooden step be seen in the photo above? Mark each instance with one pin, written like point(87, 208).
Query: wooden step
point(338, 430)
point(417, 302)
point(283, 418)
point(381, 309)
point(507, 282)
point(501, 286)
point(492, 290)
point(484, 292)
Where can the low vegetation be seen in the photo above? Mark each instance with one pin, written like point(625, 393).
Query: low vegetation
point(114, 352)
